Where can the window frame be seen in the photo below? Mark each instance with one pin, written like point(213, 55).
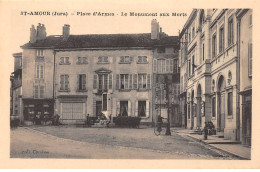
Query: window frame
point(81, 60)
point(64, 83)
point(103, 60)
point(214, 45)
point(230, 104)
point(65, 60)
point(221, 39)
point(144, 60)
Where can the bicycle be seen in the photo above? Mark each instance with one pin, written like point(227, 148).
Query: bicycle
point(158, 129)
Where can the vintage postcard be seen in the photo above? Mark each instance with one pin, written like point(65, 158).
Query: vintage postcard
point(129, 84)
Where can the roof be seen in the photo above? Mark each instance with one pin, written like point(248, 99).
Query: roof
point(102, 41)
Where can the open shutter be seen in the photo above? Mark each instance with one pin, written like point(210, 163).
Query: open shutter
point(117, 108)
point(84, 82)
point(95, 81)
point(78, 82)
point(136, 108)
point(130, 81)
point(135, 81)
point(167, 65)
point(147, 111)
point(117, 81)
point(61, 82)
point(110, 81)
point(131, 59)
point(154, 65)
point(129, 108)
point(148, 81)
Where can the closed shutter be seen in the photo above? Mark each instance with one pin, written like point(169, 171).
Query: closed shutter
point(78, 78)
point(62, 82)
point(117, 81)
point(85, 82)
point(67, 82)
point(148, 81)
point(136, 108)
point(95, 81)
point(131, 59)
point(171, 66)
point(135, 81)
point(147, 106)
point(154, 65)
point(129, 108)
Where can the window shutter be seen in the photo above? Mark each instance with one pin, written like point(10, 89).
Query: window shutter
point(78, 86)
point(136, 108)
point(129, 108)
point(62, 82)
point(84, 82)
point(67, 81)
point(117, 108)
point(117, 81)
point(110, 81)
point(131, 58)
point(154, 65)
point(36, 91)
point(95, 81)
point(147, 112)
point(148, 81)
point(168, 65)
point(172, 65)
point(130, 81)
point(135, 81)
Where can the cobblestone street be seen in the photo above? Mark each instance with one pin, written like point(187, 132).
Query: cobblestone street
point(106, 143)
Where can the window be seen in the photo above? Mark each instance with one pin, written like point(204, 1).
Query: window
point(39, 53)
point(142, 81)
point(125, 59)
point(193, 32)
point(250, 51)
point(124, 81)
point(214, 46)
point(103, 59)
point(64, 82)
point(104, 105)
point(82, 82)
point(230, 31)
point(39, 71)
point(161, 66)
point(203, 52)
point(188, 111)
point(221, 39)
point(189, 37)
point(141, 108)
point(124, 108)
point(82, 60)
point(189, 67)
point(135, 81)
point(38, 91)
point(161, 50)
point(103, 82)
point(230, 104)
point(193, 64)
point(64, 60)
point(175, 67)
point(250, 20)
point(142, 59)
point(214, 107)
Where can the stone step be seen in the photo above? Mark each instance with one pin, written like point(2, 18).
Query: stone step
point(218, 136)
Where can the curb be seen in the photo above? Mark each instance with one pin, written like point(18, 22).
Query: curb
point(210, 145)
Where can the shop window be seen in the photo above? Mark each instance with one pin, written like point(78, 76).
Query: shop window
point(141, 108)
point(124, 108)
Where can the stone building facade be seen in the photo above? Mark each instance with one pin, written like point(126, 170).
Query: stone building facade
point(76, 75)
point(210, 70)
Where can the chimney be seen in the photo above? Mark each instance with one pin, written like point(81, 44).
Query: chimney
point(33, 34)
point(154, 29)
point(160, 29)
point(41, 32)
point(66, 31)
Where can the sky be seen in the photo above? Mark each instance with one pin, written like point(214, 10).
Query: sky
point(18, 25)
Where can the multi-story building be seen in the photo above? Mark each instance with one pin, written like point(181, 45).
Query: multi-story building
point(166, 79)
point(75, 75)
point(245, 55)
point(210, 70)
point(16, 87)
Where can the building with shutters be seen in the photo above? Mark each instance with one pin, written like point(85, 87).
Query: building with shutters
point(211, 56)
point(75, 75)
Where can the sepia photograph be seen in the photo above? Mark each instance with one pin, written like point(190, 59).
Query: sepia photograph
point(96, 83)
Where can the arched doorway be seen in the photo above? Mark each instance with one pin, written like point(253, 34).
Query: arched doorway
point(221, 104)
point(198, 106)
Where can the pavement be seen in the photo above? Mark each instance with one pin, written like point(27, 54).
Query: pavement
point(234, 148)
point(107, 143)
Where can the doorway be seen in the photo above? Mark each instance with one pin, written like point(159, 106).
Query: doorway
point(98, 107)
point(221, 104)
point(199, 106)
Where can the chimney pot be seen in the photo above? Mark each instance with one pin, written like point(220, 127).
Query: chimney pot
point(66, 31)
